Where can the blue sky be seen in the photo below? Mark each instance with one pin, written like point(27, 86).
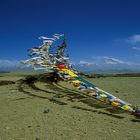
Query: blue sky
point(97, 30)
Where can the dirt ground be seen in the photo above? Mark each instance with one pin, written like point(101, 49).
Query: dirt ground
point(45, 111)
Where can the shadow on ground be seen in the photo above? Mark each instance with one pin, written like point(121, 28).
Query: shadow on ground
point(5, 82)
point(55, 92)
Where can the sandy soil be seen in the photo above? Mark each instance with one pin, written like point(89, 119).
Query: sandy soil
point(45, 111)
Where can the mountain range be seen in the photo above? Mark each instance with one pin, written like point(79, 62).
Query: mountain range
point(105, 65)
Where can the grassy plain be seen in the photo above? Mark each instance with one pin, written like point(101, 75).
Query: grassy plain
point(45, 111)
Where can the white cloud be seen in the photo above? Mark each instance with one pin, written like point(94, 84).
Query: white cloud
point(82, 62)
point(134, 39)
point(8, 63)
point(106, 63)
point(113, 61)
point(136, 48)
point(108, 60)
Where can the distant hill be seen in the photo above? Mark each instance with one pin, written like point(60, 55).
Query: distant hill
point(4, 71)
point(106, 67)
point(94, 75)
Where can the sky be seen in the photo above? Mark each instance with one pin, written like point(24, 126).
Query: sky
point(97, 31)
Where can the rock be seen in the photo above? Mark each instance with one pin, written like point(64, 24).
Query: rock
point(46, 110)
point(37, 139)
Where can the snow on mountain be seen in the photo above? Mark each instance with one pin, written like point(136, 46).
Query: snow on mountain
point(107, 63)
